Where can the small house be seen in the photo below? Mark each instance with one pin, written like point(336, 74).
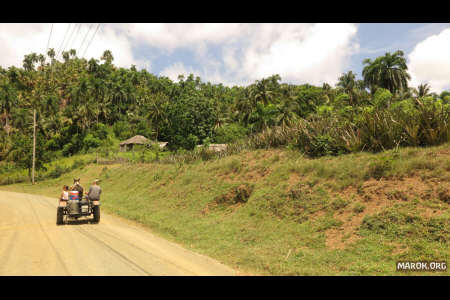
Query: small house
point(138, 140)
point(135, 140)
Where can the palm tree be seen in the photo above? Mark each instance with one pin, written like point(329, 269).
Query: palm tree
point(265, 90)
point(287, 110)
point(348, 83)
point(156, 111)
point(244, 108)
point(422, 90)
point(405, 93)
point(51, 53)
point(264, 116)
point(7, 100)
point(389, 72)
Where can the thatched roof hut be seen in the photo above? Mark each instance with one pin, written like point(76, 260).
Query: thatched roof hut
point(138, 140)
point(135, 140)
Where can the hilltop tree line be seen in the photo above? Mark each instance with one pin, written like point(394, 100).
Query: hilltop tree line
point(78, 102)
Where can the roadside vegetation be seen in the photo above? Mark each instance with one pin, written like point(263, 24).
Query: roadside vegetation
point(279, 212)
point(90, 106)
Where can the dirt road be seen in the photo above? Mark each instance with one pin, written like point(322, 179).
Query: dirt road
point(32, 244)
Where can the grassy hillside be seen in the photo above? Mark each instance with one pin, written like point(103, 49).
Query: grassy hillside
point(277, 212)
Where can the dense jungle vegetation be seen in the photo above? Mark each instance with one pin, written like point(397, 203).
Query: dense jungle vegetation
point(84, 105)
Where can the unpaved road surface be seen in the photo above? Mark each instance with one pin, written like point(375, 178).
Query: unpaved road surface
point(32, 244)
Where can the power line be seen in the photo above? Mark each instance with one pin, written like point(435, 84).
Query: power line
point(60, 46)
point(87, 33)
point(98, 26)
point(48, 43)
point(75, 37)
point(67, 43)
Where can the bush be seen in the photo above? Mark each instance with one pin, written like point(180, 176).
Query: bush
point(379, 167)
point(122, 130)
point(100, 131)
point(78, 163)
point(234, 166)
point(322, 145)
point(239, 194)
point(393, 223)
point(229, 133)
point(58, 171)
point(339, 203)
point(382, 98)
point(144, 128)
point(90, 141)
point(190, 142)
point(358, 208)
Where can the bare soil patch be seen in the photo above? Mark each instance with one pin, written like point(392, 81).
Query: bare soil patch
point(377, 195)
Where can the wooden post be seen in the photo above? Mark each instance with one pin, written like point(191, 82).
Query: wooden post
point(34, 142)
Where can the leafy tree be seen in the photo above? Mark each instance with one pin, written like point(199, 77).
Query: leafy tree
point(22, 152)
point(189, 116)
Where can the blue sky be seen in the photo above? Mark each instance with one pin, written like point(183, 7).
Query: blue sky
point(377, 39)
point(241, 53)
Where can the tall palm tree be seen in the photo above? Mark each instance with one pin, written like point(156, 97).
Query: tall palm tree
point(389, 72)
point(405, 93)
point(348, 83)
point(287, 110)
point(264, 116)
point(156, 109)
point(7, 100)
point(265, 90)
point(422, 90)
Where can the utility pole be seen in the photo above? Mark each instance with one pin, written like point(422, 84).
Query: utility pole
point(34, 142)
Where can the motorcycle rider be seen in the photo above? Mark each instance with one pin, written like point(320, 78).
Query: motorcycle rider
point(77, 187)
point(94, 191)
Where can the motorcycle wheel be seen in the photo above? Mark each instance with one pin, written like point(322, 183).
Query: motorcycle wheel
point(96, 211)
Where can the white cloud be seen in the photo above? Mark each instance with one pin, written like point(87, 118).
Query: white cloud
point(176, 69)
point(300, 53)
point(429, 62)
point(172, 36)
point(18, 40)
point(227, 53)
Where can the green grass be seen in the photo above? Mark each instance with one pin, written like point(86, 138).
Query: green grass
point(271, 211)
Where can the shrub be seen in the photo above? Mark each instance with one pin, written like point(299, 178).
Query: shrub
point(444, 194)
point(323, 145)
point(122, 130)
point(358, 208)
point(379, 167)
point(58, 171)
point(382, 98)
point(229, 133)
point(90, 141)
point(339, 203)
point(234, 166)
point(190, 142)
point(100, 131)
point(393, 223)
point(239, 194)
point(78, 163)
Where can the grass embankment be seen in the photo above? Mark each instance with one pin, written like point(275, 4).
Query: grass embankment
point(277, 212)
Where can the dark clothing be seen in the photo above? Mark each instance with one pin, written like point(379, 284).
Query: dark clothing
point(80, 190)
point(94, 192)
